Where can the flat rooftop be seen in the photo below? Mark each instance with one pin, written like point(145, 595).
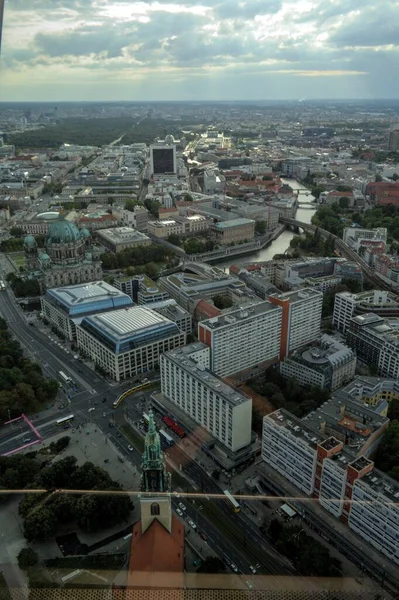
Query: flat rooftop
point(301, 295)
point(79, 298)
point(242, 314)
point(129, 328)
point(297, 427)
point(234, 223)
point(207, 378)
point(120, 235)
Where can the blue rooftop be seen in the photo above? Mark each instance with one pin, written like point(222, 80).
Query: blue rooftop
point(87, 298)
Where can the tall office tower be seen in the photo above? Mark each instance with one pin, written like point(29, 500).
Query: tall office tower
point(242, 339)
point(393, 140)
point(163, 159)
point(301, 319)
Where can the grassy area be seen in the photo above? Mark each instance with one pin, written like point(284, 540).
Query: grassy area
point(4, 591)
point(18, 259)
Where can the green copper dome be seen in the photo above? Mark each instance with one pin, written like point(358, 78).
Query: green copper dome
point(63, 232)
point(30, 241)
point(85, 233)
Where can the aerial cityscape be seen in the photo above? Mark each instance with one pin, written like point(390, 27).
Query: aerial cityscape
point(200, 336)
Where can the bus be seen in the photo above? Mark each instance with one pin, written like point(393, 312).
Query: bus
point(64, 377)
point(174, 426)
point(133, 390)
point(65, 420)
point(166, 440)
point(2, 285)
point(232, 501)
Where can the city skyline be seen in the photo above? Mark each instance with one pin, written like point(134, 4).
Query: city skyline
point(198, 50)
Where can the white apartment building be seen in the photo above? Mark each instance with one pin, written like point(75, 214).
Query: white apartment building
point(242, 339)
point(374, 513)
point(301, 319)
point(127, 342)
point(353, 235)
point(347, 305)
point(346, 485)
point(220, 409)
point(286, 448)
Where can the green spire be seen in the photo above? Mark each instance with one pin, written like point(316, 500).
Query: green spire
point(154, 476)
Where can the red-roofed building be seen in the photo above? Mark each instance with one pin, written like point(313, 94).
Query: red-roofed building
point(98, 221)
point(381, 192)
point(205, 310)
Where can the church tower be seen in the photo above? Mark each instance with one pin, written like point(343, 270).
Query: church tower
point(155, 484)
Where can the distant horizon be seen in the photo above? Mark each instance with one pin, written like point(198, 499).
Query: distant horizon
point(199, 50)
point(213, 101)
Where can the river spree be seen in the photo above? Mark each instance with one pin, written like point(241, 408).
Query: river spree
point(280, 245)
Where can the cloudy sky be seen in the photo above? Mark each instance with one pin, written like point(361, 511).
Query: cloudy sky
point(199, 49)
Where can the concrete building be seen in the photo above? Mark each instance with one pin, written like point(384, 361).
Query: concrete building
point(373, 391)
point(353, 423)
point(376, 342)
point(148, 291)
point(181, 226)
point(393, 140)
point(98, 220)
point(256, 329)
point(327, 364)
point(120, 238)
point(127, 342)
point(347, 306)
point(64, 307)
point(301, 318)
point(138, 218)
point(354, 235)
point(346, 485)
point(162, 159)
point(214, 181)
point(172, 311)
point(220, 409)
point(188, 288)
point(233, 232)
point(38, 224)
point(128, 284)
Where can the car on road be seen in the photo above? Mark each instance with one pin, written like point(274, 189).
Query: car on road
point(192, 524)
point(203, 535)
point(176, 494)
point(91, 409)
point(104, 414)
point(252, 569)
point(104, 400)
point(249, 584)
point(181, 505)
point(233, 567)
point(130, 448)
point(179, 512)
point(196, 562)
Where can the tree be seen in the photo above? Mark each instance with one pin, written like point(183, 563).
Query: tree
point(26, 558)
point(16, 231)
point(388, 451)
point(174, 239)
point(378, 178)
point(267, 178)
point(215, 474)
point(187, 198)
point(395, 177)
point(60, 444)
point(275, 530)
point(260, 227)
point(343, 202)
point(212, 564)
point(222, 302)
point(130, 204)
point(39, 524)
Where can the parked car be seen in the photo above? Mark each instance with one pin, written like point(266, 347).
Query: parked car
point(252, 569)
point(130, 448)
point(181, 505)
point(179, 512)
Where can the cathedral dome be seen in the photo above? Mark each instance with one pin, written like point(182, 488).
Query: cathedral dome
point(30, 241)
point(63, 232)
point(169, 139)
point(85, 233)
